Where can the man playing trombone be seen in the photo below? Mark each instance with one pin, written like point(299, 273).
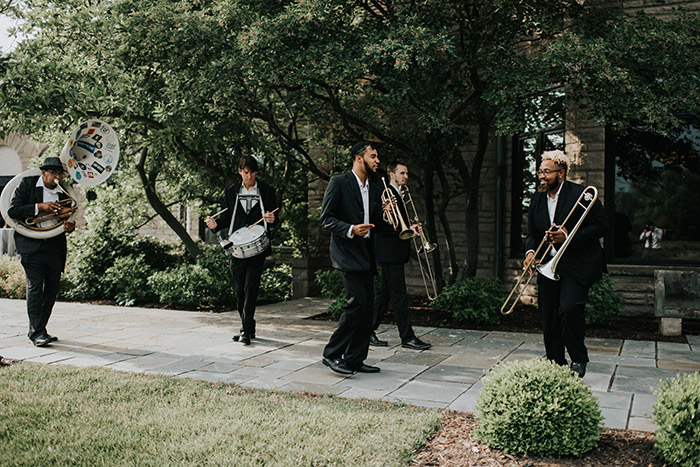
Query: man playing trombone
point(562, 302)
point(392, 254)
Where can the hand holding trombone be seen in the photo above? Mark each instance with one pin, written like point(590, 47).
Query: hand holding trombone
point(552, 236)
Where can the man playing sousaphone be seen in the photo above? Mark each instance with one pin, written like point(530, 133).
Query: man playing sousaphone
point(246, 203)
point(43, 259)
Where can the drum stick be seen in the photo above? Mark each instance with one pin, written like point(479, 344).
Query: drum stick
point(262, 218)
point(214, 216)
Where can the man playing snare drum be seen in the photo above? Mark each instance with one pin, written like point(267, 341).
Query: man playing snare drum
point(247, 202)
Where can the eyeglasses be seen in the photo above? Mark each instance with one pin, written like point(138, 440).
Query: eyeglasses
point(547, 171)
point(55, 173)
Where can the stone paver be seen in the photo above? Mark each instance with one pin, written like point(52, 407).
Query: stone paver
point(287, 355)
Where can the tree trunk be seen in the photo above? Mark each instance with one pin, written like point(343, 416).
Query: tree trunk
point(149, 181)
point(442, 213)
point(471, 212)
point(430, 222)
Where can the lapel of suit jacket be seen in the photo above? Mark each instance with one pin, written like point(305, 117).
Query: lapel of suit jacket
point(562, 203)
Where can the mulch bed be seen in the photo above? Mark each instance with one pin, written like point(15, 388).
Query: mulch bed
point(453, 446)
point(527, 319)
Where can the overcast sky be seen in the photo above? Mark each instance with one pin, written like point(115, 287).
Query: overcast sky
point(7, 43)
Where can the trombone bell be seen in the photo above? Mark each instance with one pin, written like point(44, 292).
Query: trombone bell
point(547, 271)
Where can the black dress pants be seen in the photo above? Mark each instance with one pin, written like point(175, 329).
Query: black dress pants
point(43, 271)
point(246, 275)
point(562, 306)
point(350, 340)
point(393, 288)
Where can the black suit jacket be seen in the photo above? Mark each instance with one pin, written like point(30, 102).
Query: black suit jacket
point(583, 258)
point(341, 208)
point(269, 199)
point(27, 195)
point(388, 246)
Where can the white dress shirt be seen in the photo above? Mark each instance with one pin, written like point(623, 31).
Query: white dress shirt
point(50, 196)
point(364, 191)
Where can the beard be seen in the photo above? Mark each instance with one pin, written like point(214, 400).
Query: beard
point(368, 168)
point(549, 186)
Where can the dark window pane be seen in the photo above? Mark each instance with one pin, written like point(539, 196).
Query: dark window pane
point(656, 182)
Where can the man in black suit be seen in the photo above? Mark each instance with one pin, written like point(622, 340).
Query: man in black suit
point(392, 255)
point(43, 259)
point(562, 303)
point(252, 200)
point(350, 210)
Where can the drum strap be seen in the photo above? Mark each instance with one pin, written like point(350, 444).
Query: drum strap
point(235, 208)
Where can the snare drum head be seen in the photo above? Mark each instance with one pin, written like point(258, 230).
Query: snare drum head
point(246, 235)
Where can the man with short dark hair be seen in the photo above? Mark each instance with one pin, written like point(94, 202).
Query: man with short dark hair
point(351, 209)
point(43, 260)
point(392, 254)
point(562, 303)
point(250, 200)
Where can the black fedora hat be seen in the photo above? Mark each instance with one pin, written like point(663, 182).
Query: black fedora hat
point(53, 163)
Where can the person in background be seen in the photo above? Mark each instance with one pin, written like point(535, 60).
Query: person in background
point(392, 254)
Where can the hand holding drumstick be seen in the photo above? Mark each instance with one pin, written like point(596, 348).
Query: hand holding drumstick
point(269, 217)
point(211, 223)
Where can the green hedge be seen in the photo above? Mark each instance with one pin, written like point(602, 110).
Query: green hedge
point(603, 302)
point(473, 300)
point(13, 282)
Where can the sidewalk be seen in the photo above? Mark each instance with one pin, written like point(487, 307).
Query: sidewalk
point(287, 355)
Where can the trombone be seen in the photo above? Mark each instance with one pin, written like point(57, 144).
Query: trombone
point(394, 213)
point(548, 270)
point(424, 247)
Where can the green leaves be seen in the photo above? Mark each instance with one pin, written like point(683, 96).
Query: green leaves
point(537, 407)
point(676, 413)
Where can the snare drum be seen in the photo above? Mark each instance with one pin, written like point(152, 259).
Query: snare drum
point(248, 242)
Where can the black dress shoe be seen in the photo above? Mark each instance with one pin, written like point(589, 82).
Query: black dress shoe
point(415, 344)
point(338, 365)
point(51, 338)
point(237, 337)
point(374, 340)
point(579, 368)
point(41, 340)
point(245, 339)
point(366, 369)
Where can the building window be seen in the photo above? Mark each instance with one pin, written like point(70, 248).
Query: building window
point(655, 181)
point(544, 132)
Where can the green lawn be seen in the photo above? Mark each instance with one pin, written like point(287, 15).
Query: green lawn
point(62, 415)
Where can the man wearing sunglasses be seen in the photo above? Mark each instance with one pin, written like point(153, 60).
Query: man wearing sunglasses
point(562, 303)
point(43, 259)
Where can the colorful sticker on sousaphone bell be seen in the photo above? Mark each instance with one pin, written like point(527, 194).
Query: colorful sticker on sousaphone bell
point(92, 141)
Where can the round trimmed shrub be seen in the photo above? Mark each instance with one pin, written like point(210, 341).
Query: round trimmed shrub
point(537, 407)
point(474, 300)
point(677, 414)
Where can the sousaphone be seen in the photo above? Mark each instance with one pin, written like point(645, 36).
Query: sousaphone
point(90, 157)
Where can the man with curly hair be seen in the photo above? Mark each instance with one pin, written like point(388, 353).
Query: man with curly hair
point(562, 303)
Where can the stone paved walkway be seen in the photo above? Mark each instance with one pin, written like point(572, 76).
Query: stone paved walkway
point(287, 355)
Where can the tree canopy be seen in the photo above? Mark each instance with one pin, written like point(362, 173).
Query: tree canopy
point(195, 84)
